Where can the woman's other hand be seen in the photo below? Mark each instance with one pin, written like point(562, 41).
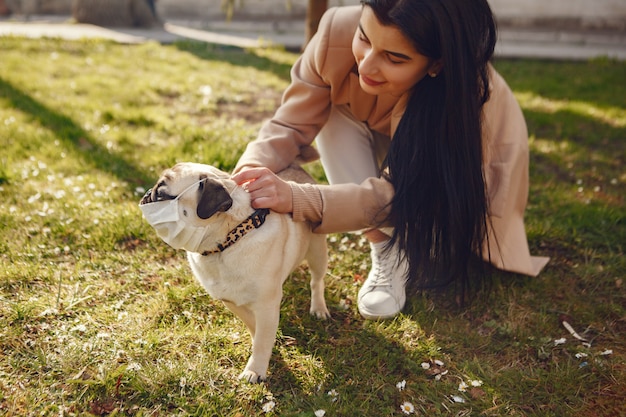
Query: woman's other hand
point(266, 189)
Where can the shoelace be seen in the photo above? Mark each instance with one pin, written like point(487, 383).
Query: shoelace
point(383, 262)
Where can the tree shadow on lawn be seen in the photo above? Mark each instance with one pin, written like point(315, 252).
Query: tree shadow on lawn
point(576, 194)
point(72, 136)
point(358, 365)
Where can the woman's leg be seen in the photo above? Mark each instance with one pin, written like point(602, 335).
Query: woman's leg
point(350, 152)
point(346, 148)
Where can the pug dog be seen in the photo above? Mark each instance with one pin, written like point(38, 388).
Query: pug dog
point(240, 255)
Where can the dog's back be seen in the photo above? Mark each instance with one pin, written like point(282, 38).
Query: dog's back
point(295, 173)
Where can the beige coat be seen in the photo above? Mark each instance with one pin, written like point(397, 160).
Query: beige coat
point(326, 75)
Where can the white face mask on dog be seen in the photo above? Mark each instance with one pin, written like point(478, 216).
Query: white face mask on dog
point(165, 217)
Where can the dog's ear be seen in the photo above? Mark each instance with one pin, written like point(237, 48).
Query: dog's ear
point(213, 198)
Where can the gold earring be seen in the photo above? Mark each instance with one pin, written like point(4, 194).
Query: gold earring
point(432, 74)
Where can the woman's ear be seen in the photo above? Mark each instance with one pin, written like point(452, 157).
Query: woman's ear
point(435, 68)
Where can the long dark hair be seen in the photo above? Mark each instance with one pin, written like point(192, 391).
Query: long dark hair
point(435, 160)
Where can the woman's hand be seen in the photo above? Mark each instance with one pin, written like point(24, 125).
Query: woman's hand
point(266, 189)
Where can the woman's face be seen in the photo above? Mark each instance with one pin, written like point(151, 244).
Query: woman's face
point(387, 61)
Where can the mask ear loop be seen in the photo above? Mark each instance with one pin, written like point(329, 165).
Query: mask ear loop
point(230, 192)
point(189, 188)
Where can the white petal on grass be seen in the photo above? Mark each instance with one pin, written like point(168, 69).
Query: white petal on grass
point(320, 413)
point(34, 198)
point(462, 386)
point(205, 90)
point(438, 376)
point(560, 341)
point(457, 399)
point(401, 385)
point(607, 352)
point(134, 366)
point(438, 362)
point(425, 365)
point(81, 328)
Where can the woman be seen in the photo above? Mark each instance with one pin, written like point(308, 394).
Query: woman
point(423, 144)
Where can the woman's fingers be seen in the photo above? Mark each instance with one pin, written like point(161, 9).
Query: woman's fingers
point(266, 189)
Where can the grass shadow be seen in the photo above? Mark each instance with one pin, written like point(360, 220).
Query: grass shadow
point(364, 367)
point(71, 135)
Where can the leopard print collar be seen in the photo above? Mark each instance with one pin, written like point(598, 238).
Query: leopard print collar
point(254, 221)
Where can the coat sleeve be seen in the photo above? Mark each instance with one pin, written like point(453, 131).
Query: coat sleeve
point(343, 207)
point(304, 109)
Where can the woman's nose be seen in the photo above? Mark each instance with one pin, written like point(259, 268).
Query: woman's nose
point(368, 63)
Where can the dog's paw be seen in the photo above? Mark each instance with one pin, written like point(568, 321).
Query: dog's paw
point(321, 313)
point(251, 376)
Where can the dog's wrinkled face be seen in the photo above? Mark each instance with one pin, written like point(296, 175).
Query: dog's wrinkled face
point(202, 186)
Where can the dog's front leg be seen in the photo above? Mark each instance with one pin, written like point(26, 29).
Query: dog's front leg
point(267, 316)
point(245, 314)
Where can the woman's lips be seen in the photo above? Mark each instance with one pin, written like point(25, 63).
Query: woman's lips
point(370, 82)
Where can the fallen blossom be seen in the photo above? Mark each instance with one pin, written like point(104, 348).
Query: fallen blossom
point(320, 413)
point(401, 385)
point(407, 408)
point(560, 341)
point(268, 406)
point(333, 394)
point(476, 383)
point(463, 386)
point(425, 365)
point(607, 352)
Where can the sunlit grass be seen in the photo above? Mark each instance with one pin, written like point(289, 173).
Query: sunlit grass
point(611, 115)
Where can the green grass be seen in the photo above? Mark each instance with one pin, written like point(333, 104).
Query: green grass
point(100, 317)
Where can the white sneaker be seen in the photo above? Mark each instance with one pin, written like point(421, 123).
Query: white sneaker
point(382, 295)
